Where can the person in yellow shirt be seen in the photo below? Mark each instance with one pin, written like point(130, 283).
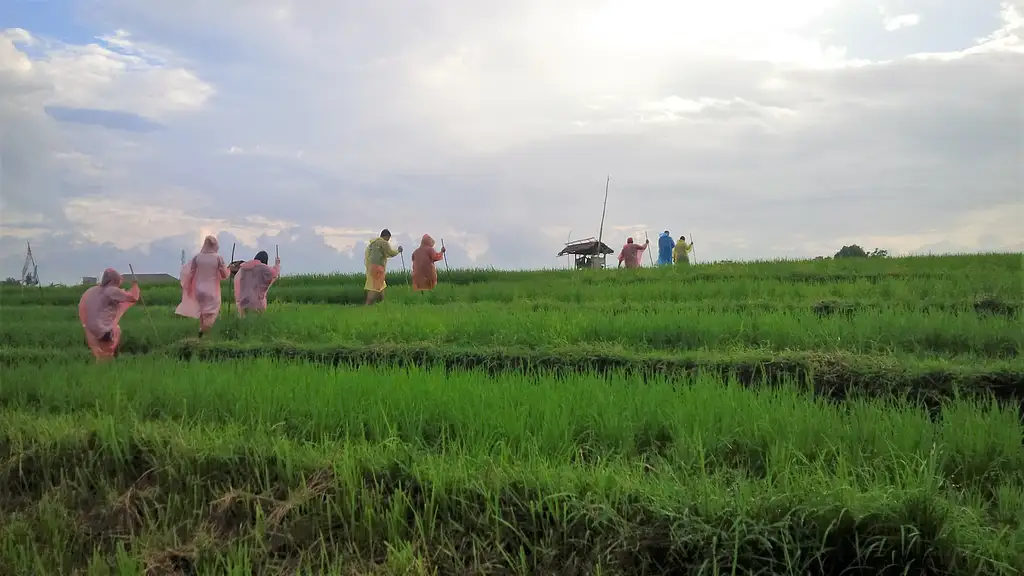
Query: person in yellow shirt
point(378, 251)
point(681, 253)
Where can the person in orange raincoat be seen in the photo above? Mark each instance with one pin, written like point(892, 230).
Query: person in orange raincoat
point(200, 285)
point(252, 282)
point(424, 272)
point(100, 311)
point(378, 251)
point(632, 253)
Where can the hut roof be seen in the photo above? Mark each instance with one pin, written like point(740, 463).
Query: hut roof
point(585, 247)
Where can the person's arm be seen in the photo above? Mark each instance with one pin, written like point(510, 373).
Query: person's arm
point(390, 252)
point(276, 270)
point(222, 268)
point(126, 296)
point(435, 255)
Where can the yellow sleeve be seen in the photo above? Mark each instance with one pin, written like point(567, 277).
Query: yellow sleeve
point(388, 250)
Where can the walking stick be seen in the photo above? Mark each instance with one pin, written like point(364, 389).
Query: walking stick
point(693, 249)
point(143, 302)
point(231, 282)
point(447, 269)
point(404, 271)
point(648, 249)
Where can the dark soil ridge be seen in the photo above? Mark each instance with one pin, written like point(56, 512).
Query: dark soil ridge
point(305, 513)
point(833, 376)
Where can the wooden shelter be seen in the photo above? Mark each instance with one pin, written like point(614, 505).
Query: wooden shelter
point(589, 252)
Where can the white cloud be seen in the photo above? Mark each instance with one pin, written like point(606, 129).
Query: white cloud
point(975, 231)
point(893, 23)
point(494, 126)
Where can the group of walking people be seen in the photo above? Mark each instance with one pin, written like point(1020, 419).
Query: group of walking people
point(379, 251)
point(669, 252)
point(102, 306)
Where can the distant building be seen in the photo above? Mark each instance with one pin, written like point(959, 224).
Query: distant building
point(142, 278)
point(152, 278)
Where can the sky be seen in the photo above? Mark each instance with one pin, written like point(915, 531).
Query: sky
point(129, 130)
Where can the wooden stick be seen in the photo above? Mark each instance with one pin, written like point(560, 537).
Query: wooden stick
point(447, 269)
point(648, 249)
point(692, 249)
point(146, 309)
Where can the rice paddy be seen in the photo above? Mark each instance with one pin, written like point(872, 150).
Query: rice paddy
point(827, 417)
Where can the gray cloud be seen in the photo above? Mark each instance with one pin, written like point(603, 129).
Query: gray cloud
point(106, 118)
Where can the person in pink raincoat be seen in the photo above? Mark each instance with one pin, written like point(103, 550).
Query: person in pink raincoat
point(100, 311)
point(424, 271)
point(200, 285)
point(252, 282)
point(632, 253)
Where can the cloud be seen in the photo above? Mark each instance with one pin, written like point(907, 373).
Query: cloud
point(107, 118)
point(893, 23)
point(764, 130)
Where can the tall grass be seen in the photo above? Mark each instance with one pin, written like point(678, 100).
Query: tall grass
point(644, 327)
point(613, 439)
point(690, 423)
point(956, 278)
point(510, 473)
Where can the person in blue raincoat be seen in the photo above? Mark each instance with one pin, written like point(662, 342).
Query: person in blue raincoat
point(665, 246)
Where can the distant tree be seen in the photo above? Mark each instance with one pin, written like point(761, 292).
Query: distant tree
point(10, 280)
point(855, 251)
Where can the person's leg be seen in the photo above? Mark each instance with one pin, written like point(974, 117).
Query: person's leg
point(206, 323)
point(369, 297)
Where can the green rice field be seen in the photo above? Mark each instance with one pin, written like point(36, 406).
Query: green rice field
point(857, 416)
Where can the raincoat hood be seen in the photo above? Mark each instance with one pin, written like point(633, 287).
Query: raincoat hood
point(210, 245)
point(262, 256)
point(111, 277)
point(427, 241)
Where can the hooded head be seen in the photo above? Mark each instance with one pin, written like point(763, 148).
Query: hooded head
point(665, 234)
point(210, 245)
point(682, 238)
point(385, 234)
point(629, 240)
point(262, 256)
point(111, 277)
point(427, 241)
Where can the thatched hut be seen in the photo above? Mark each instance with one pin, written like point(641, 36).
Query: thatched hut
point(589, 252)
